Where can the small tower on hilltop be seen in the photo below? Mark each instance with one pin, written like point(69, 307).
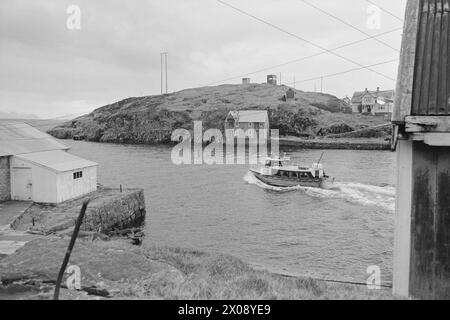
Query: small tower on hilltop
point(272, 79)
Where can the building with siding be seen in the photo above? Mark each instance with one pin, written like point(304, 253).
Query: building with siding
point(373, 102)
point(246, 120)
point(36, 167)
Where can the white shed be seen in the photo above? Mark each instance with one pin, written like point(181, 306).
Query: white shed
point(37, 167)
point(51, 176)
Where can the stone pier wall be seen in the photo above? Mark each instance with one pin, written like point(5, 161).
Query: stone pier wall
point(121, 212)
point(5, 179)
point(108, 210)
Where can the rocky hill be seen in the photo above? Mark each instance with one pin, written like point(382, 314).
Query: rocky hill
point(152, 119)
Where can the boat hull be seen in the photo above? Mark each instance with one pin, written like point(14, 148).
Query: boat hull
point(283, 182)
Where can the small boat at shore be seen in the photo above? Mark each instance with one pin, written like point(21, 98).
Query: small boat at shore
point(278, 172)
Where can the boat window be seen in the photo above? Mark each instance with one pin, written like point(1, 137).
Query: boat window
point(294, 175)
point(268, 163)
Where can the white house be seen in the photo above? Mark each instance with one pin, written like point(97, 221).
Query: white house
point(373, 102)
point(36, 167)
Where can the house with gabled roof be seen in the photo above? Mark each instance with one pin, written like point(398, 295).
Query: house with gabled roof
point(248, 119)
point(373, 102)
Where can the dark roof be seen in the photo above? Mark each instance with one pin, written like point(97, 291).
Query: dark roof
point(20, 138)
point(431, 88)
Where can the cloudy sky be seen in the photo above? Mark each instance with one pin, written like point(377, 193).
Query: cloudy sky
point(50, 70)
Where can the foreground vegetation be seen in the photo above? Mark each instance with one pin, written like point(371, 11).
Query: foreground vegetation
point(130, 272)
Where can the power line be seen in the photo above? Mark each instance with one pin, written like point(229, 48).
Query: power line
point(347, 24)
point(305, 58)
point(343, 72)
point(386, 11)
point(303, 39)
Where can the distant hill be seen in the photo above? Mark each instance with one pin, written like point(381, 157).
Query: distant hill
point(67, 117)
point(41, 124)
point(152, 119)
point(15, 115)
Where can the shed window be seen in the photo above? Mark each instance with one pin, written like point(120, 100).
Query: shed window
point(78, 175)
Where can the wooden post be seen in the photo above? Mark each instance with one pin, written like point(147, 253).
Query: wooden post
point(422, 117)
point(69, 249)
point(403, 219)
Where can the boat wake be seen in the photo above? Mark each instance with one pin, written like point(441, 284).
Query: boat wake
point(363, 194)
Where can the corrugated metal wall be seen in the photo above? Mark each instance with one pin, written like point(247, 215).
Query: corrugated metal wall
point(431, 95)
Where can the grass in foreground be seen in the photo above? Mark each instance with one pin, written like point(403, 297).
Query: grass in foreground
point(130, 272)
point(207, 276)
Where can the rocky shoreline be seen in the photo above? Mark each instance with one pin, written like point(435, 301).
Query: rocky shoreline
point(336, 144)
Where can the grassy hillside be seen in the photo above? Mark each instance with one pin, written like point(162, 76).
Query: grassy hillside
point(152, 119)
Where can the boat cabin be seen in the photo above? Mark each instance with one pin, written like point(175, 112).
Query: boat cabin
point(279, 167)
point(295, 174)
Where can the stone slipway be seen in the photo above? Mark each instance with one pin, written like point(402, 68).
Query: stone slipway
point(11, 240)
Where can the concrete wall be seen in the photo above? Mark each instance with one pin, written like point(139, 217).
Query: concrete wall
point(5, 179)
point(70, 188)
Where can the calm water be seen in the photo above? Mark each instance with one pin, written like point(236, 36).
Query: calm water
point(333, 234)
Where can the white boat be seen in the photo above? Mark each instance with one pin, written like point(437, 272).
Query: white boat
point(278, 172)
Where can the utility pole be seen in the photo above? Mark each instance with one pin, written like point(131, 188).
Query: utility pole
point(167, 90)
point(321, 85)
point(161, 73)
point(163, 66)
point(281, 83)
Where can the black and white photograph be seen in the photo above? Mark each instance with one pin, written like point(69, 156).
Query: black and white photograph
point(223, 155)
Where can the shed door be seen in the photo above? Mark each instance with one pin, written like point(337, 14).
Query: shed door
point(23, 184)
